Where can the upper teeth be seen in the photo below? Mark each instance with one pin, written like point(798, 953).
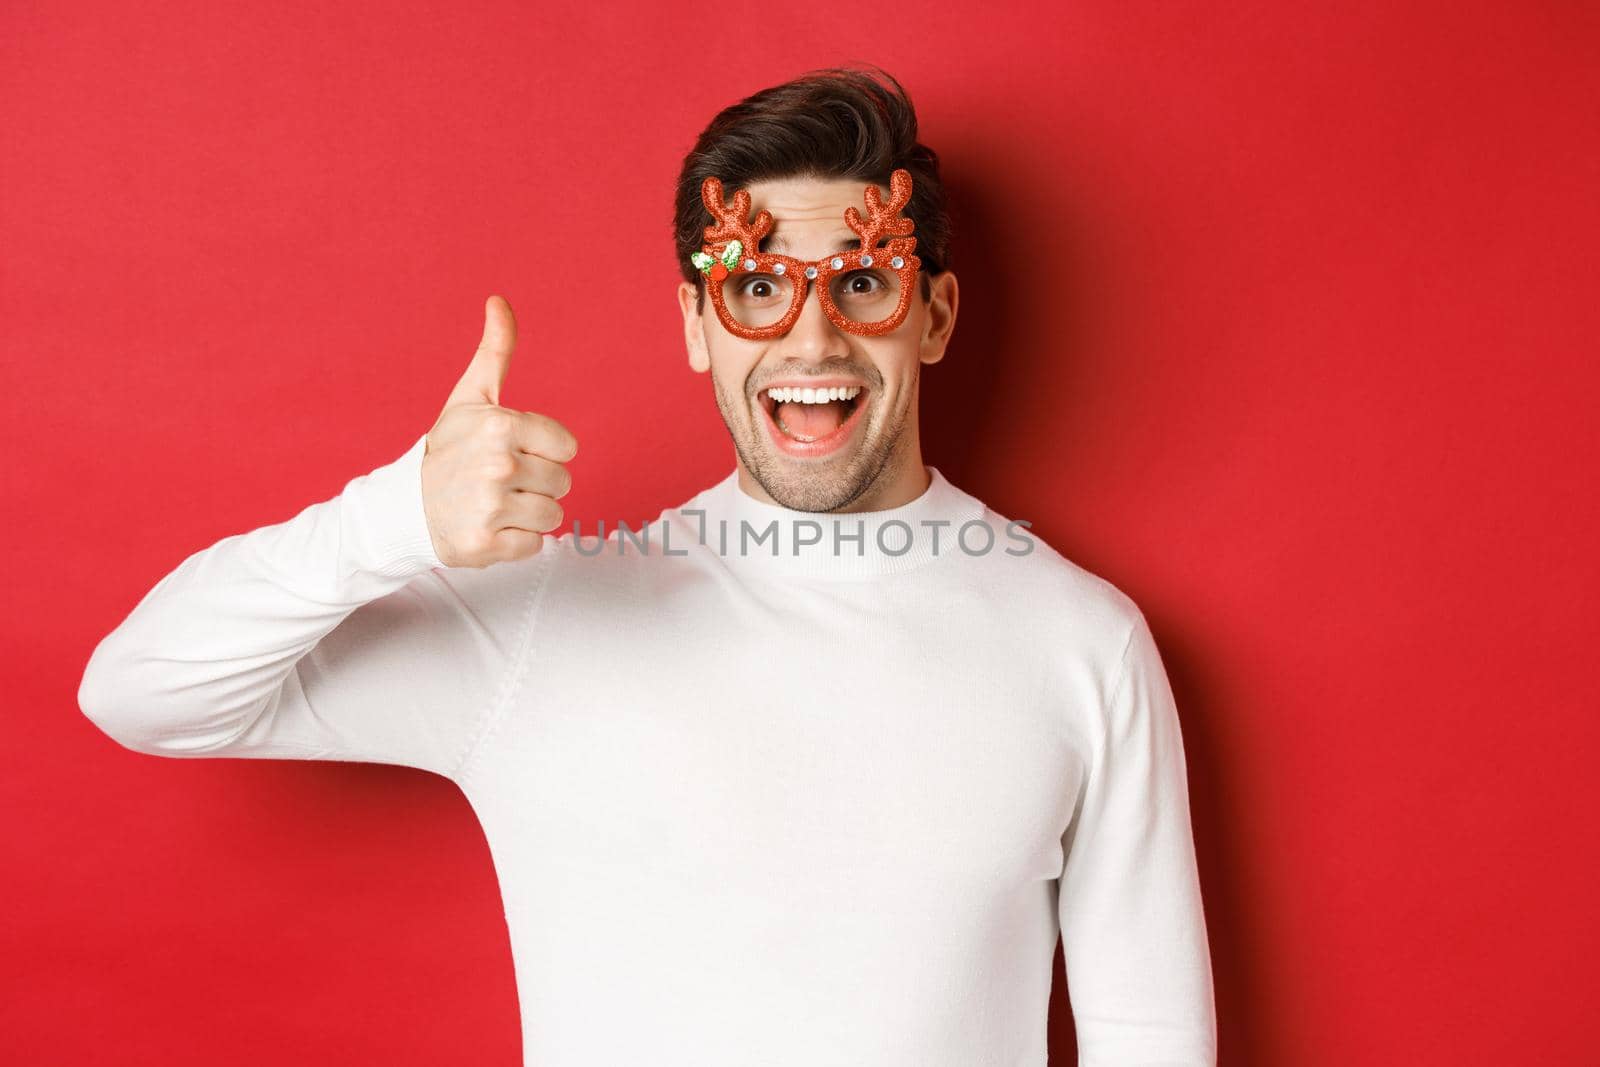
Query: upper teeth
point(813, 396)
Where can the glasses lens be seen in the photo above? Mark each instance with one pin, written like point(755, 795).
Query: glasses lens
point(757, 299)
point(866, 295)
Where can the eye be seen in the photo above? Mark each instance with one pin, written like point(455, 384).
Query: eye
point(758, 287)
point(862, 283)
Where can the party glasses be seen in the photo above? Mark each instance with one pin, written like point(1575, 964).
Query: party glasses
point(758, 295)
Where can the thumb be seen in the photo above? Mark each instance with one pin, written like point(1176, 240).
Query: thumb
point(487, 370)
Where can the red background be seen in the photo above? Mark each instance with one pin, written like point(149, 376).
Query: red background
point(1280, 317)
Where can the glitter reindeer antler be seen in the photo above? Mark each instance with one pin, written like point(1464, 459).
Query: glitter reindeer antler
point(733, 220)
point(885, 219)
point(733, 230)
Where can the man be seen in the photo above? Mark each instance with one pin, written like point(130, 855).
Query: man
point(814, 769)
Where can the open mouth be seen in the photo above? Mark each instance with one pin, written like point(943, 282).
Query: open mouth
point(812, 421)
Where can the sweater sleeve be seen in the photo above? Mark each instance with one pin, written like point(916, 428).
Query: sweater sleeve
point(337, 634)
point(1132, 924)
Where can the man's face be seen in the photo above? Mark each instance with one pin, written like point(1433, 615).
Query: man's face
point(828, 456)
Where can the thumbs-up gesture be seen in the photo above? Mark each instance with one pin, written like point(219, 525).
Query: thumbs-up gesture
point(491, 475)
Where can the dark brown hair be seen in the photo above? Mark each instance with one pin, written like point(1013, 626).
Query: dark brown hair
point(835, 122)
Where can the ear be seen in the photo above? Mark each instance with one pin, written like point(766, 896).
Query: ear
point(940, 320)
point(694, 329)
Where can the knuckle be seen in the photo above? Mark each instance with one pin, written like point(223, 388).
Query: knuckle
point(499, 466)
point(478, 540)
point(490, 501)
point(498, 425)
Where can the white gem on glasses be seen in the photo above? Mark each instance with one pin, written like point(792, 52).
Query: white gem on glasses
point(811, 272)
point(779, 268)
point(897, 262)
point(835, 262)
point(749, 264)
point(866, 261)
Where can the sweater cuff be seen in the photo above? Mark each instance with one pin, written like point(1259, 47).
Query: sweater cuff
point(386, 507)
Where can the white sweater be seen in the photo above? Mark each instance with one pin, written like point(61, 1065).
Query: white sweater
point(814, 808)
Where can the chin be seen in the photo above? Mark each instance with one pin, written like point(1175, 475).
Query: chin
point(812, 492)
point(821, 484)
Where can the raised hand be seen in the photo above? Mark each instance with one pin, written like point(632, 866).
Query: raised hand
point(491, 475)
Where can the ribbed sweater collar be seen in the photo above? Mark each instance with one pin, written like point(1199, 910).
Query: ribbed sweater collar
point(757, 536)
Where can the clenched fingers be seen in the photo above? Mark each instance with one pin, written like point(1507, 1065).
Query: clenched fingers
point(533, 512)
point(535, 474)
point(541, 435)
point(511, 543)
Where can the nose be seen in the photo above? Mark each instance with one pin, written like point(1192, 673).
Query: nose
point(813, 337)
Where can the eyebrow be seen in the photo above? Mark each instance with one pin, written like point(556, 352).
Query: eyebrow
point(776, 243)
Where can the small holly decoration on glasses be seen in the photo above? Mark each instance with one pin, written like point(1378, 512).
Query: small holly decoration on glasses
point(717, 268)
